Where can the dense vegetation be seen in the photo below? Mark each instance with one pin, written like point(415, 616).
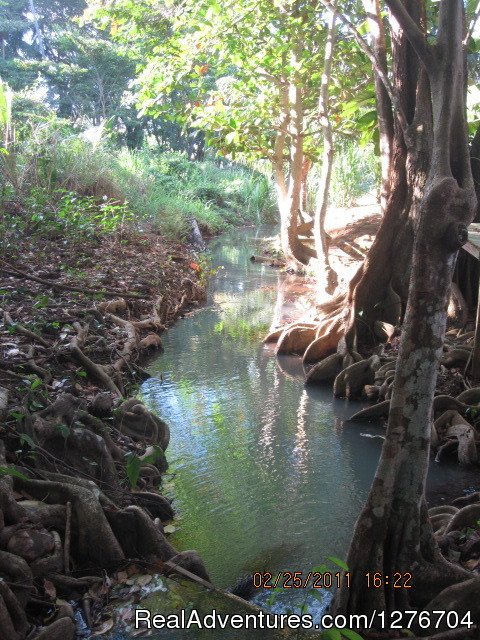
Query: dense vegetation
point(64, 183)
point(125, 124)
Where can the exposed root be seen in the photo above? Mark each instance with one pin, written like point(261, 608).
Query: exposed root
point(466, 517)
point(374, 412)
point(68, 506)
point(462, 598)
point(324, 343)
point(349, 383)
point(133, 419)
point(325, 370)
point(295, 340)
point(450, 428)
point(7, 318)
point(11, 271)
point(96, 371)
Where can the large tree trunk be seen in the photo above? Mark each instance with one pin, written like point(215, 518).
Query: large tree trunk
point(393, 533)
point(384, 275)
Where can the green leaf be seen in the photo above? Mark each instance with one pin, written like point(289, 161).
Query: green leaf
point(7, 471)
point(232, 137)
point(133, 469)
point(321, 569)
point(340, 563)
point(26, 439)
point(17, 415)
point(62, 429)
point(36, 383)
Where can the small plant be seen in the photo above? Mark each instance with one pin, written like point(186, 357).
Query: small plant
point(134, 464)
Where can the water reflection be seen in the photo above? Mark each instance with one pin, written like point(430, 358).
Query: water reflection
point(268, 473)
point(263, 479)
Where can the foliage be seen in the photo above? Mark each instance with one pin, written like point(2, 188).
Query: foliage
point(355, 172)
point(134, 464)
point(13, 473)
point(78, 184)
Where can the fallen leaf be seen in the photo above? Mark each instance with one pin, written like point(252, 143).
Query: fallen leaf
point(169, 528)
point(472, 564)
point(144, 579)
point(104, 627)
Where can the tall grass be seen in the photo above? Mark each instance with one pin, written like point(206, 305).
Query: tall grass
point(161, 190)
point(355, 173)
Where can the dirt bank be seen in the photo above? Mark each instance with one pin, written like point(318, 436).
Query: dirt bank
point(81, 460)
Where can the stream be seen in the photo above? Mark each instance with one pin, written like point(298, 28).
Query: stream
point(267, 473)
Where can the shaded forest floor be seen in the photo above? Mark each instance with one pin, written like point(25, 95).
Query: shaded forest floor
point(81, 459)
point(48, 285)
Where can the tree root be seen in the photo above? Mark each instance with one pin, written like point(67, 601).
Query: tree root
point(451, 428)
point(139, 536)
point(456, 358)
point(62, 629)
point(156, 504)
point(11, 271)
point(324, 344)
point(466, 517)
point(325, 370)
point(95, 370)
point(470, 396)
point(133, 419)
point(19, 574)
point(374, 412)
point(69, 507)
point(350, 382)
point(295, 340)
point(462, 598)
point(7, 319)
point(13, 621)
point(94, 542)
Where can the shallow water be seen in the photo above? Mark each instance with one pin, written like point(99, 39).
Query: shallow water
point(267, 474)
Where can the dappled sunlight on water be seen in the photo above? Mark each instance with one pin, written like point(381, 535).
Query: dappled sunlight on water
point(268, 476)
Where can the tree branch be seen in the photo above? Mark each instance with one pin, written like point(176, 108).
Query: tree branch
point(377, 67)
point(414, 34)
point(473, 24)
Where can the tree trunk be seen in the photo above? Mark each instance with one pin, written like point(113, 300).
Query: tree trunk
point(289, 189)
point(384, 105)
point(393, 533)
point(384, 276)
point(307, 165)
point(326, 277)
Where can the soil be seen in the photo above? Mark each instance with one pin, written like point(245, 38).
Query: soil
point(81, 460)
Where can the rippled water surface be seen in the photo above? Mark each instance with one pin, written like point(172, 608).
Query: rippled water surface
point(267, 474)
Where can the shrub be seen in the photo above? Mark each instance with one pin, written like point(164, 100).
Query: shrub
point(59, 174)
